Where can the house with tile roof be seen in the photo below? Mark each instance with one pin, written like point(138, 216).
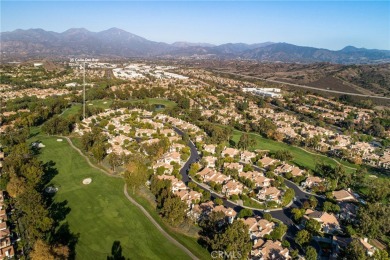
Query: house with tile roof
point(230, 213)
point(329, 222)
point(343, 195)
point(258, 227)
point(312, 181)
point(230, 152)
point(267, 161)
point(232, 187)
point(247, 156)
point(269, 194)
point(233, 166)
point(269, 250)
point(210, 161)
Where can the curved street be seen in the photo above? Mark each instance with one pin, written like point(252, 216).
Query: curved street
point(284, 214)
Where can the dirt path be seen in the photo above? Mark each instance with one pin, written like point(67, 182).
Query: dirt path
point(146, 213)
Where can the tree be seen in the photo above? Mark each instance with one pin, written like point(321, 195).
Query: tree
point(297, 213)
point(136, 173)
point(294, 254)
point(379, 190)
point(218, 201)
point(283, 155)
point(114, 160)
point(313, 202)
point(286, 244)
point(174, 210)
point(246, 141)
point(98, 151)
point(302, 237)
point(213, 224)
point(311, 253)
point(234, 240)
point(245, 213)
point(313, 226)
point(373, 219)
point(267, 216)
point(57, 125)
point(381, 255)
point(288, 196)
point(278, 232)
point(330, 207)
point(41, 251)
point(355, 251)
point(15, 186)
point(194, 169)
point(248, 167)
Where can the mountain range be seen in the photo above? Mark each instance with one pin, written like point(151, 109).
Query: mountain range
point(117, 43)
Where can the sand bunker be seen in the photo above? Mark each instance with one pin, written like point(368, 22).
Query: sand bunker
point(87, 181)
point(51, 189)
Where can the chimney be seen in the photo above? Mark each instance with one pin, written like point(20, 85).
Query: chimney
point(365, 240)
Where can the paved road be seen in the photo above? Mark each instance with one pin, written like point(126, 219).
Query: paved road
point(283, 215)
point(304, 86)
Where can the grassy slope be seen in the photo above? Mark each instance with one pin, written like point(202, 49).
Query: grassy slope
point(74, 109)
point(188, 241)
point(100, 213)
point(301, 158)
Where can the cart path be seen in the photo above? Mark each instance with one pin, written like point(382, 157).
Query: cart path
point(146, 213)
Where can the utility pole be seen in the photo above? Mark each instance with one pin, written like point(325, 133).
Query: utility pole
point(1, 110)
point(84, 92)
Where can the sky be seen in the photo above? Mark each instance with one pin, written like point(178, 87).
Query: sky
point(331, 24)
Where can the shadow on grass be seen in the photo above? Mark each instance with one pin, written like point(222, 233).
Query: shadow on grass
point(49, 172)
point(31, 135)
point(116, 252)
point(61, 233)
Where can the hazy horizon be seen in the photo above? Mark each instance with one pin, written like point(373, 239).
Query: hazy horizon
point(330, 25)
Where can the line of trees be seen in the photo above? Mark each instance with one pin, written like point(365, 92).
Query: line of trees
point(24, 178)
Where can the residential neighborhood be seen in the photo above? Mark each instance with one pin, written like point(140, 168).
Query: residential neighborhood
point(201, 153)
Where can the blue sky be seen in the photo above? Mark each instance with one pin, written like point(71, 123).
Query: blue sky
point(332, 24)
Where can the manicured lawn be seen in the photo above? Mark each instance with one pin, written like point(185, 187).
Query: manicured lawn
point(74, 109)
point(99, 212)
point(154, 101)
point(301, 158)
point(189, 242)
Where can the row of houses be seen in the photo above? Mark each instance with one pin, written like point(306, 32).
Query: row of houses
point(6, 246)
point(290, 128)
point(30, 92)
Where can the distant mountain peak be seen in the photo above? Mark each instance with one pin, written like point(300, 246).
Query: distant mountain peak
point(116, 30)
point(71, 30)
point(115, 42)
point(349, 48)
point(184, 44)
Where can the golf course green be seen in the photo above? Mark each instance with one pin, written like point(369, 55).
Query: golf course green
point(100, 214)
